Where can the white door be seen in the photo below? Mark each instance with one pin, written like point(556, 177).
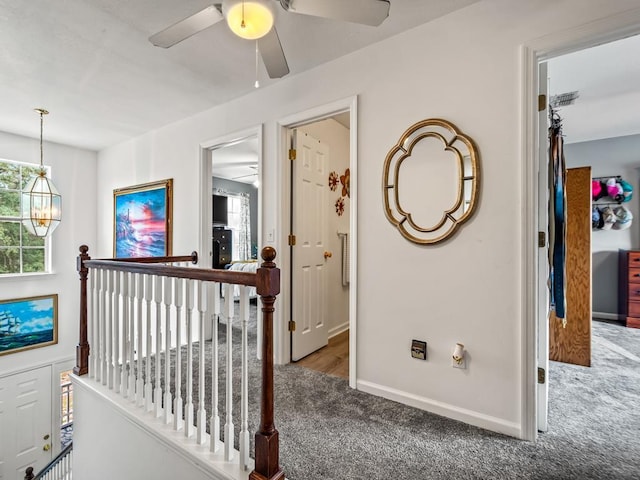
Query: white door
point(309, 215)
point(543, 260)
point(25, 423)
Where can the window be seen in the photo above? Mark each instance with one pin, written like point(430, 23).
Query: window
point(234, 224)
point(20, 251)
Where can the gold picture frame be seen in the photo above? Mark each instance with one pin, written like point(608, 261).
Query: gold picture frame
point(143, 220)
point(28, 323)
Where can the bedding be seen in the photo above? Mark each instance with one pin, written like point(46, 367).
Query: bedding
point(246, 266)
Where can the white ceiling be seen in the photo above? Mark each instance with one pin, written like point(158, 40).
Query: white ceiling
point(237, 162)
point(89, 62)
point(607, 78)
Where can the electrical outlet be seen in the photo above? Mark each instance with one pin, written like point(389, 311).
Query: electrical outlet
point(462, 364)
point(419, 349)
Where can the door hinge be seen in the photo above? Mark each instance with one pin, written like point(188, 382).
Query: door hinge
point(292, 240)
point(292, 326)
point(541, 375)
point(542, 239)
point(542, 102)
point(292, 154)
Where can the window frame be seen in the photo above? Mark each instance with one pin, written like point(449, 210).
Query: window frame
point(46, 247)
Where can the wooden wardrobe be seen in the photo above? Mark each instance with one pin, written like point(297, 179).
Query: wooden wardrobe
point(572, 343)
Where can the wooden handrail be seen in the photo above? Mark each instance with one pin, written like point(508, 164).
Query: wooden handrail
point(29, 475)
point(267, 283)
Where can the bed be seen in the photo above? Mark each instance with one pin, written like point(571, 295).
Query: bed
point(244, 266)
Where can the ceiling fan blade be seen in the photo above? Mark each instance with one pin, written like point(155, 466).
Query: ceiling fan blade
point(273, 55)
point(187, 27)
point(367, 12)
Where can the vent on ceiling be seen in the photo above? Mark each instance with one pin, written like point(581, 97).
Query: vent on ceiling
point(563, 99)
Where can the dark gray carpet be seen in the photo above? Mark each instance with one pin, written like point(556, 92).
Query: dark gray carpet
point(331, 432)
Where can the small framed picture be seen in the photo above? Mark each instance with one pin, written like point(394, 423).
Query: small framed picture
point(142, 220)
point(27, 323)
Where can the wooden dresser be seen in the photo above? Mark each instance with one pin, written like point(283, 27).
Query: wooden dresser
point(629, 287)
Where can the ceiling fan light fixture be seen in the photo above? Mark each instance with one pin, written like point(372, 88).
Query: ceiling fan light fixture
point(249, 19)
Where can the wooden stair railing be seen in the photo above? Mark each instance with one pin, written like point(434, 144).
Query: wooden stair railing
point(155, 281)
point(57, 469)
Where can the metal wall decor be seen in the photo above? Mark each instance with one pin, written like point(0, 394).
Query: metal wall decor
point(463, 152)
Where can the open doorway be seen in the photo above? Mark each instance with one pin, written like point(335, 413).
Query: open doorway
point(320, 221)
point(601, 134)
point(319, 287)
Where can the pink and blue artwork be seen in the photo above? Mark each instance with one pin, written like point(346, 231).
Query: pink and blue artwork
point(142, 223)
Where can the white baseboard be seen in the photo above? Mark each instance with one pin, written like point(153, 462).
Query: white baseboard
point(606, 316)
point(339, 329)
point(446, 410)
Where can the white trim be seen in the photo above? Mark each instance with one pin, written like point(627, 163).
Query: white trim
point(338, 329)
point(607, 316)
point(443, 409)
point(349, 104)
point(212, 464)
point(584, 36)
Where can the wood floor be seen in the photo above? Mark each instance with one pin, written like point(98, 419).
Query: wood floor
point(332, 359)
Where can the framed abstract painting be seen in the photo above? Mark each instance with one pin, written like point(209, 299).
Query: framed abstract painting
point(27, 323)
point(142, 220)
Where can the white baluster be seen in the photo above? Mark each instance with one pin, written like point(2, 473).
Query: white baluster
point(116, 333)
point(228, 426)
point(140, 380)
point(109, 320)
point(92, 331)
point(148, 386)
point(177, 402)
point(124, 374)
point(214, 424)
point(103, 329)
point(132, 337)
point(244, 398)
point(201, 421)
point(188, 412)
point(157, 298)
point(167, 349)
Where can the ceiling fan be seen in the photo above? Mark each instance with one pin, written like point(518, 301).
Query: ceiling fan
point(241, 20)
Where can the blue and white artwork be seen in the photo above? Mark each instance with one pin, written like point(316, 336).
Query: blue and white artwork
point(28, 323)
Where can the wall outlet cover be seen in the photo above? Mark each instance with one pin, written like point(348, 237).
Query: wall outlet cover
point(419, 349)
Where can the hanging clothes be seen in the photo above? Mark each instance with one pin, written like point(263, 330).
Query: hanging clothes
point(557, 217)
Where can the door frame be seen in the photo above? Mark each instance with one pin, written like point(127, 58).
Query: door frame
point(205, 205)
point(284, 126)
point(532, 53)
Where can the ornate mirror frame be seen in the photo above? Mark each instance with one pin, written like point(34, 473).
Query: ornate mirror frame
point(464, 153)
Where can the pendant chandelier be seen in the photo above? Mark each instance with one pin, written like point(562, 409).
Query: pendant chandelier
point(41, 201)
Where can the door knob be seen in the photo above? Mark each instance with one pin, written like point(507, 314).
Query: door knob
point(46, 447)
point(327, 255)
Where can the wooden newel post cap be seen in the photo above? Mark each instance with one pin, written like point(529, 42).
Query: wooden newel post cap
point(268, 254)
point(84, 249)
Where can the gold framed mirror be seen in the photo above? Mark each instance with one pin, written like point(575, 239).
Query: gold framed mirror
point(438, 168)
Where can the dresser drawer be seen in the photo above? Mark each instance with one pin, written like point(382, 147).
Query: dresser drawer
point(634, 292)
point(634, 259)
point(634, 275)
point(634, 309)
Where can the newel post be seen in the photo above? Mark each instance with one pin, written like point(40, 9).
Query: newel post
point(266, 444)
point(82, 349)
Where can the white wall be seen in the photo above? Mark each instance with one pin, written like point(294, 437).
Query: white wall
point(610, 157)
point(108, 445)
point(466, 68)
point(73, 171)
point(336, 136)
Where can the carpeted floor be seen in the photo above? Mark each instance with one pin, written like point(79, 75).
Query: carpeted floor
point(331, 432)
